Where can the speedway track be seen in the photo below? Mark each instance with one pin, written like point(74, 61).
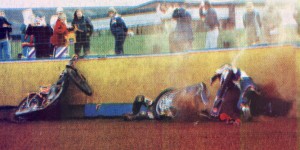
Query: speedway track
point(262, 133)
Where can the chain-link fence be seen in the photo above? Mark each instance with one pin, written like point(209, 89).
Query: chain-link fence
point(154, 27)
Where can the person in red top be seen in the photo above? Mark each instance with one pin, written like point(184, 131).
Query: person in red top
point(59, 38)
point(60, 32)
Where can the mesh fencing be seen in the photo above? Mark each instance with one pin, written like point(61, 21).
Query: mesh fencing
point(153, 28)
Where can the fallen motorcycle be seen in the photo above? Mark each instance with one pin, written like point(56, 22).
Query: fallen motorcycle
point(48, 98)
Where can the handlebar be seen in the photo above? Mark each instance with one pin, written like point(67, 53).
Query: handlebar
point(73, 60)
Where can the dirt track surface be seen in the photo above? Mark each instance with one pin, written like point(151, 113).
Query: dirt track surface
point(268, 133)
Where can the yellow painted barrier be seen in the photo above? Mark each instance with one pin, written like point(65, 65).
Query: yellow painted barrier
point(120, 79)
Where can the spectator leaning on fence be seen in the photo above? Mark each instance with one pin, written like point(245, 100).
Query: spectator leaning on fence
point(27, 43)
point(5, 29)
point(59, 37)
point(84, 30)
point(252, 24)
point(183, 36)
point(211, 24)
point(28, 50)
point(54, 18)
point(42, 33)
point(119, 30)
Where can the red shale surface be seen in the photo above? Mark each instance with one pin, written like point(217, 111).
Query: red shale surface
point(262, 133)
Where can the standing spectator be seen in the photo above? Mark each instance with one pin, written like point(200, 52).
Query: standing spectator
point(183, 36)
point(119, 30)
point(42, 33)
point(211, 24)
point(27, 44)
point(5, 29)
point(271, 22)
point(28, 50)
point(297, 18)
point(164, 12)
point(59, 38)
point(54, 18)
point(252, 24)
point(84, 30)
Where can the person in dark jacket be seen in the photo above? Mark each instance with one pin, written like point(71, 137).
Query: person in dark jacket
point(183, 36)
point(42, 33)
point(5, 29)
point(84, 30)
point(119, 30)
point(252, 24)
point(27, 44)
point(211, 25)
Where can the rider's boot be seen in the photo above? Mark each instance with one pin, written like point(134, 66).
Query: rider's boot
point(215, 111)
point(139, 116)
point(246, 113)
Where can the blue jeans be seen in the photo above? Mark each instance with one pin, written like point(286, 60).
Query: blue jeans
point(25, 51)
point(245, 83)
point(5, 48)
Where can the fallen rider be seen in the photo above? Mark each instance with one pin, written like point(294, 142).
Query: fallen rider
point(183, 103)
point(229, 77)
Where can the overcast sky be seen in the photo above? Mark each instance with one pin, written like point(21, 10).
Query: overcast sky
point(87, 3)
point(67, 3)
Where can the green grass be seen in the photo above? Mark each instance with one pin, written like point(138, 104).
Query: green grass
point(146, 44)
point(103, 44)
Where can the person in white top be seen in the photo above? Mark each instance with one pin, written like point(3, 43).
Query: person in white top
point(164, 12)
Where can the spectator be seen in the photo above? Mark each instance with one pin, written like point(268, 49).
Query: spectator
point(54, 18)
point(59, 38)
point(28, 50)
point(119, 30)
point(297, 18)
point(164, 12)
point(183, 36)
point(211, 24)
point(27, 44)
point(252, 24)
point(271, 21)
point(42, 33)
point(5, 29)
point(84, 30)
